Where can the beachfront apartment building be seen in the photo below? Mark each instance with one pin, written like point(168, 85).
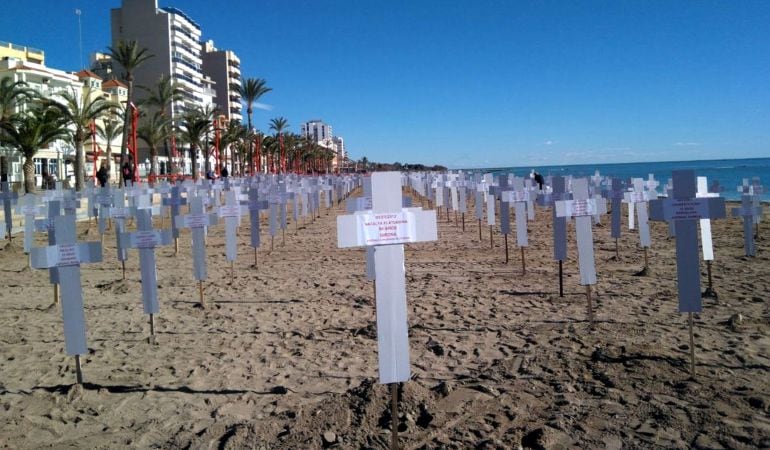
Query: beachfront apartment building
point(174, 40)
point(321, 133)
point(57, 159)
point(9, 50)
point(48, 83)
point(224, 68)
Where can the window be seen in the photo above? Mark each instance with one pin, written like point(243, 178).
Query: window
point(38, 166)
point(53, 167)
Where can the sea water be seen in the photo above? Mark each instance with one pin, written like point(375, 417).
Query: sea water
point(729, 172)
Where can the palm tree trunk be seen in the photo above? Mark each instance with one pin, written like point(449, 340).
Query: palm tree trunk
point(80, 165)
point(153, 164)
point(194, 158)
point(109, 161)
point(126, 122)
point(29, 175)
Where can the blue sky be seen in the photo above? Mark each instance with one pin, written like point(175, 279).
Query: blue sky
point(482, 83)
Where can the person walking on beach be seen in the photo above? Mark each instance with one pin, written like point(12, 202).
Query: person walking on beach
point(539, 180)
point(103, 174)
point(127, 172)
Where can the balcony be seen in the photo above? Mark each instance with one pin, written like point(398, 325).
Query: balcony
point(182, 61)
point(183, 77)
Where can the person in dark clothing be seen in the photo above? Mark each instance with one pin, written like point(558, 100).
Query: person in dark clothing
point(127, 172)
point(47, 181)
point(539, 180)
point(224, 173)
point(103, 174)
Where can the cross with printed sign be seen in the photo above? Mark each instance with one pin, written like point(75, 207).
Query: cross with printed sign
point(197, 220)
point(387, 228)
point(684, 210)
point(582, 208)
point(147, 239)
point(639, 199)
point(48, 226)
point(66, 256)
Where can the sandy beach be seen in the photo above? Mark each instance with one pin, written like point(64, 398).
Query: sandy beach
point(285, 355)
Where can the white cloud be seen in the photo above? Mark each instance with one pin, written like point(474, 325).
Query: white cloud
point(687, 144)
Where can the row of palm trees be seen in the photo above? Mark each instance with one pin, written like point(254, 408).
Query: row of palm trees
point(29, 122)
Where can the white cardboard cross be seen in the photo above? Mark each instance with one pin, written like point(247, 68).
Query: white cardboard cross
point(146, 239)
point(582, 208)
point(197, 221)
point(66, 256)
point(387, 228)
point(231, 212)
point(683, 209)
point(639, 199)
point(705, 224)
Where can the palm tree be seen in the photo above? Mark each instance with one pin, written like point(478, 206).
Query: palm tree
point(196, 124)
point(231, 135)
point(154, 131)
point(251, 91)
point(130, 56)
point(28, 132)
point(278, 125)
point(161, 96)
point(109, 131)
point(79, 111)
point(12, 95)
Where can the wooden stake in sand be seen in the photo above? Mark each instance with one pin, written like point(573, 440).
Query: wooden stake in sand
point(65, 257)
point(387, 228)
point(684, 210)
point(582, 208)
point(197, 221)
point(174, 201)
point(146, 239)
